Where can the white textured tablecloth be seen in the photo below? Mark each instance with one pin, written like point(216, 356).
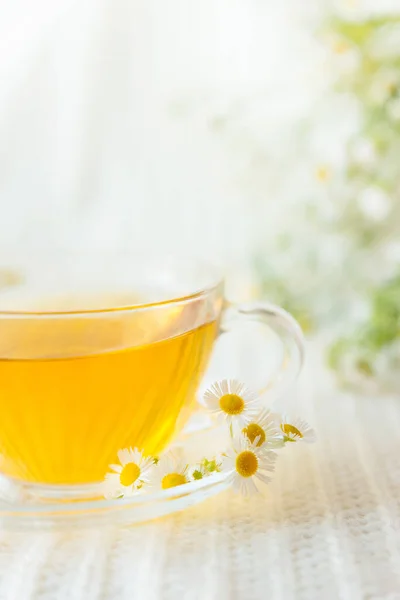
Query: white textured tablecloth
point(330, 528)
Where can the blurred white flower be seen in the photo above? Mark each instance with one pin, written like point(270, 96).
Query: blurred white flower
point(391, 252)
point(363, 152)
point(349, 9)
point(347, 58)
point(387, 365)
point(383, 85)
point(385, 43)
point(374, 203)
point(393, 109)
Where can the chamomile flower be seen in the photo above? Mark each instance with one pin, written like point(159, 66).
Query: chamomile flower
point(263, 428)
point(171, 470)
point(130, 475)
point(232, 402)
point(245, 462)
point(296, 430)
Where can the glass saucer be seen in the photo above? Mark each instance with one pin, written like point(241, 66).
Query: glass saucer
point(82, 507)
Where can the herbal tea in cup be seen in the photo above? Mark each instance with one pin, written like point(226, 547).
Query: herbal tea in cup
point(96, 356)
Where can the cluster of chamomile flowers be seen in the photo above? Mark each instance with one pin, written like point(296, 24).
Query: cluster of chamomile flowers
point(255, 433)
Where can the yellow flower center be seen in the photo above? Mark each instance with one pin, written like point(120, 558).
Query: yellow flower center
point(289, 430)
point(340, 47)
point(231, 404)
point(254, 431)
point(172, 480)
point(322, 173)
point(246, 463)
point(129, 474)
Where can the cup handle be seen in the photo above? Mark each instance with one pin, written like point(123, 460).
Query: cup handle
point(284, 326)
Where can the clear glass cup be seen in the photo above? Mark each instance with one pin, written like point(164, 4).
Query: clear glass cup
point(102, 352)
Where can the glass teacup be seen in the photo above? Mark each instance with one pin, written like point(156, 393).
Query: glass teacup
point(98, 354)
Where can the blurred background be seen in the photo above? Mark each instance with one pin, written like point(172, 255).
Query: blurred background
point(261, 134)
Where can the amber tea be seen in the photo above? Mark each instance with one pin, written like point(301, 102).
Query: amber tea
point(75, 390)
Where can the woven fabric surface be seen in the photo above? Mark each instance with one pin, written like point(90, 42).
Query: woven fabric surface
point(329, 528)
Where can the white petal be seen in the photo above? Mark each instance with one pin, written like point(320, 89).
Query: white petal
point(235, 387)
point(211, 401)
point(251, 486)
point(136, 456)
point(228, 463)
point(124, 456)
point(256, 440)
point(148, 463)
point(267, 460)
point(112, 487)
point(236, 483)
point(146, 474)
point(262, 477)
point(223, 387)
point(245, 485)
point(116, 468)
point(274, 442)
